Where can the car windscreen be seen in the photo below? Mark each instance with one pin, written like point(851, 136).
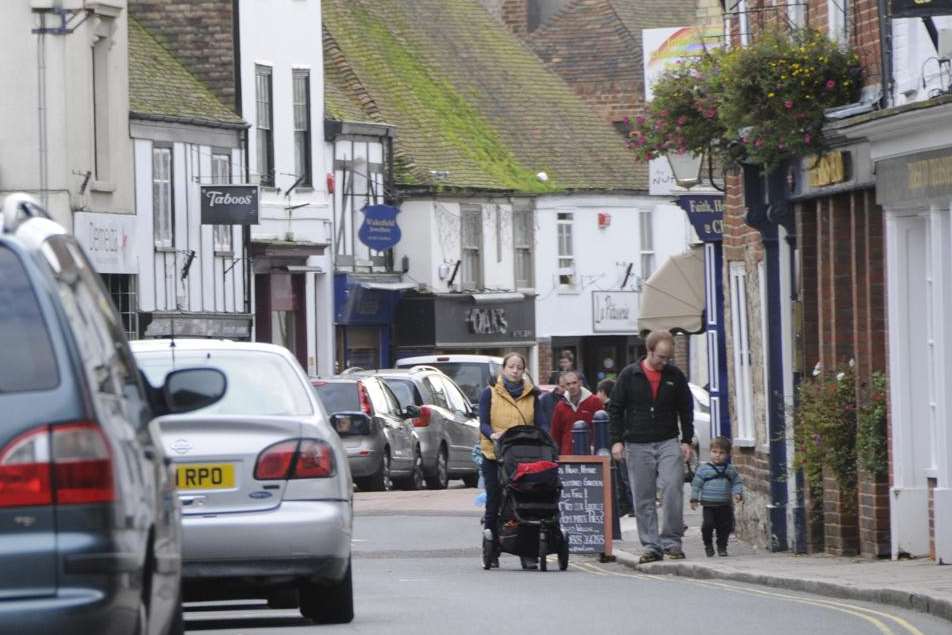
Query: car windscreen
point(27, 361)
point(471, 377)
point(338, 396)
point(259, 383)
point(406, 393)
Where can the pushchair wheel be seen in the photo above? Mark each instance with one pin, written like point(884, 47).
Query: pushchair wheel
point(543, 551)
point(490, 555)
point(564, 553)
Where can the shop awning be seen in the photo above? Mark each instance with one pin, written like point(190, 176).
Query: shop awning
point(673, 297)
point(387, 286)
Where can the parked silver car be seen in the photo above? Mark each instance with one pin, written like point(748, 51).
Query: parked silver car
point(448, 425)
point(375, 429)
point(263, 479)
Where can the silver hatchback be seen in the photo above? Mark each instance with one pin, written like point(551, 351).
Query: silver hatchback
point(263, 479)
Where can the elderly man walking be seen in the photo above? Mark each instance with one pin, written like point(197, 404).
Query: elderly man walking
point(650, 399)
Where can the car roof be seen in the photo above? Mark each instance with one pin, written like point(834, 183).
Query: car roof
point(429, 359)
point(186, 344)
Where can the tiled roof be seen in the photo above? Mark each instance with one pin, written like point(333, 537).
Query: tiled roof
point(160, 87)
point(467, 98)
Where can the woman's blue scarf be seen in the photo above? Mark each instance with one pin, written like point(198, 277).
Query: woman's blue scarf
point(514, 388)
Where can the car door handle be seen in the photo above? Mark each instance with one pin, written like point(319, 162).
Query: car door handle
point(148, 453)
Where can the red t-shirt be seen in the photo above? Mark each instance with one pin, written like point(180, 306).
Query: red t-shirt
point(654, 378)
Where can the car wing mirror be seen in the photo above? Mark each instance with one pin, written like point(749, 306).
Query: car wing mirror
point(411, 412)
point(350, 423)
point(189, 389)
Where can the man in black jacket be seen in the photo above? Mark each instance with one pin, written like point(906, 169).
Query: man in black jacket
point(650, 397)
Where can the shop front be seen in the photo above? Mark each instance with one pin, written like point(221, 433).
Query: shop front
point(481, 323)
point(364, 309)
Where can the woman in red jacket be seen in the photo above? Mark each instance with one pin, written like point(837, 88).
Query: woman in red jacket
point(579, 404)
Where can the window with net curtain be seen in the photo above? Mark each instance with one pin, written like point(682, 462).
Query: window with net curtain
point(302, 126)
point(264, 126)
point(162, 196)
point(646, 218)
point(564, 221)
point(522, 244)
point(221, 174)
point(471, 244)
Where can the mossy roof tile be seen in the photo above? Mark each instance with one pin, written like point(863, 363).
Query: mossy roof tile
point(467, 97)
point(161, 87)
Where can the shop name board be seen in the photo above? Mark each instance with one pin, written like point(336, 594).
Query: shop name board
point(828, 169)
point(614, 311)
point(108, 239)
point(706, 214)
point(487, 321)
point(914, 178)
point(920, 8)
point(380, 230)
point(229, 204)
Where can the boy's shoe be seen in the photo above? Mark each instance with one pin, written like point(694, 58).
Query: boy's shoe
point(709, 550)
point(722, 551)
point(674, 553)
point(650, 556)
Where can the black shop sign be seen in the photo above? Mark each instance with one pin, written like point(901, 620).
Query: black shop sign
point(229, 204)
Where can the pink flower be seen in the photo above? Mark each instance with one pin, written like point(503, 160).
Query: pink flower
point(682, 120)
point(830, 84)
point(807, 138)
point(758, 143)
point(788, 104)
point(640, 119)
point(710, 113)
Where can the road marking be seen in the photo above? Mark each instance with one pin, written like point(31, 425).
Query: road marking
point(857, 611)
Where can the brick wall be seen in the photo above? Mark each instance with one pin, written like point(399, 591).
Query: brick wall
point(199, 34)
point(546, 361)
point(752, 518)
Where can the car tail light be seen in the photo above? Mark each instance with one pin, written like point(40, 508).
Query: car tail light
point(424, 419)
point(274, 463)
point(65, 464)
point(364, 400)
point(314, 460)
point(295, 458)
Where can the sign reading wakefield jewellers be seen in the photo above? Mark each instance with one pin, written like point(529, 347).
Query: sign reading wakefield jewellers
point(380, 230)
point(920, 8)
point(614, 312)
point(229, 205)
point(109, 240)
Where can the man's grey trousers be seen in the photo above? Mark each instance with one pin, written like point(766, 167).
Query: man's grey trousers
point(653, 466)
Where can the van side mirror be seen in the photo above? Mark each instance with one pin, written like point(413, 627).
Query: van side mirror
point(189, 389)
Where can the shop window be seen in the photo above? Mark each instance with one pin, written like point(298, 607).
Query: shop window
point(567, 278)
point(522, 244)
point(471, 244)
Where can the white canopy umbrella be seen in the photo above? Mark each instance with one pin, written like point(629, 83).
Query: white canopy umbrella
point(673, 297)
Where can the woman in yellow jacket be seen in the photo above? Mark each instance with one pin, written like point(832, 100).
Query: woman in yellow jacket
point(511, 401)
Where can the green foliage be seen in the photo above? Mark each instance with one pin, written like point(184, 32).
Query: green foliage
point(761, 103)
point(825, 430)
point(871, 446)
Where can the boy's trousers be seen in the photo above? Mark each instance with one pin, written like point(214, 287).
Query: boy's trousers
point(719, 518)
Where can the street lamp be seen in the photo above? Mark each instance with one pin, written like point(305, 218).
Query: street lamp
point(686, 167)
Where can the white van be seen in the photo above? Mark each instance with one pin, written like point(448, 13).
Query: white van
point(471, 373)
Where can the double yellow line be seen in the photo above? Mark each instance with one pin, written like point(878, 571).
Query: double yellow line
point(879, 619)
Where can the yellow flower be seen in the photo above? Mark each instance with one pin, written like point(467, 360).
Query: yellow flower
point(770, 94)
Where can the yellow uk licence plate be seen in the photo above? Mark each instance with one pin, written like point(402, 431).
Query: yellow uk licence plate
point(205, 476)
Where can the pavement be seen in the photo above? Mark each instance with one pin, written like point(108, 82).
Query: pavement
point(919, 584)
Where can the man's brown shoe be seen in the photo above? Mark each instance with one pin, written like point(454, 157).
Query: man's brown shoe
point(674, 553)
point(650, 556)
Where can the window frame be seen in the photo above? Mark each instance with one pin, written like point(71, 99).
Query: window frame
point(742, 355)
point(565, 258)
point(303, 134)
point(471, 246)
point(159, 239)
point(222, 235)
point(264, 125)
point(522, 247)
point(646, 241)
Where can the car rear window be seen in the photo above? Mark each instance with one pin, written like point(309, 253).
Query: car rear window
point(406, 392)
point(27, 361)
point(339, 396)
point(259, 383)
point(471, 377)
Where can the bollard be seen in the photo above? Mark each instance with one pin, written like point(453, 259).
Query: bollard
point(600, 422)
point(580, 443)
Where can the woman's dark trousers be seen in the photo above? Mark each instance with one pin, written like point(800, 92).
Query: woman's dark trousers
point(490, 471)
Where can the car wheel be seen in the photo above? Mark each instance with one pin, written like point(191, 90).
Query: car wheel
point(329, 603)
point(416, 480)
point(441, 477)
point(381, 481)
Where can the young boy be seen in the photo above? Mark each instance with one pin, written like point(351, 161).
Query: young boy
point(713, 486)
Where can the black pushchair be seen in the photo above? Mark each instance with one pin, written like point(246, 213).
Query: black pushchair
point(528, 524)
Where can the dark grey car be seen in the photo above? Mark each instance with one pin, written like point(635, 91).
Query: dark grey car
point(89, 521)
point(379, 438)
point(448, 425)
